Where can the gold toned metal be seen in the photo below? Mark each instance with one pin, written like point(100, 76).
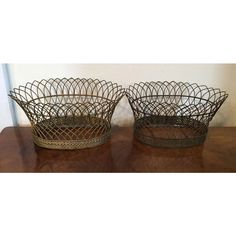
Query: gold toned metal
point(69, 113)
point(173, 114)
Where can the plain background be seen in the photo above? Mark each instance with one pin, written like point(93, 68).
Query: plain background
point(6, 116)
point(125, 31)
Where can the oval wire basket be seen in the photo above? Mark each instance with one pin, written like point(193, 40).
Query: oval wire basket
point(69, 113)
point(173, 114)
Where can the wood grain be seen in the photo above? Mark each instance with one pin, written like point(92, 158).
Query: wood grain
point(122, 153)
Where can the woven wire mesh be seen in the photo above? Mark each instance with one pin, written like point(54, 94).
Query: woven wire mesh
point(173, 114)
point(69, 113)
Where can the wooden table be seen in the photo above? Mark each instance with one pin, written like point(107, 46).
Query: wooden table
point(122, 153)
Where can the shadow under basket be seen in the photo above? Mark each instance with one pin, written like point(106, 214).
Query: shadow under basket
point(171, 114)
point(69, 113)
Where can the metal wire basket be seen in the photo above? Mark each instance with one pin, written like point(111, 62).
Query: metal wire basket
point(173, 114)
point(69, 113)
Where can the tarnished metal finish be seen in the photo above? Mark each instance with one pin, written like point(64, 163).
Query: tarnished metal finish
point(69, 113)
point(173, 114)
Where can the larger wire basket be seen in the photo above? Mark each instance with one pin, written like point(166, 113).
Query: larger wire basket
point(69, 113)
point(173, 114)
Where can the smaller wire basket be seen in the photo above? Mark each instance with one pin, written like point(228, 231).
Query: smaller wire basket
point(173, 114)
point(69, 113)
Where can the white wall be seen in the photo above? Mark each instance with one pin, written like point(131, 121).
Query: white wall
point(5, 114)
point(215, 75)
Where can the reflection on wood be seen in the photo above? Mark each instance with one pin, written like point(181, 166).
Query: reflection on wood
point(89, 160)
point(148, 159)
point(122, 153)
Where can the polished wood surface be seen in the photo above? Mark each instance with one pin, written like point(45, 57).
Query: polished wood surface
point(122, 153)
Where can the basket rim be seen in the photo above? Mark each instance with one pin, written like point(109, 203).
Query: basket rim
point(134, 93)
point(191, 84)
point(106, 100)
point(12, 93)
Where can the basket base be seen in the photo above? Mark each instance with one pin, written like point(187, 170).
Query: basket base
point(71, 133)
point(70, 144)
point(173, 131)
